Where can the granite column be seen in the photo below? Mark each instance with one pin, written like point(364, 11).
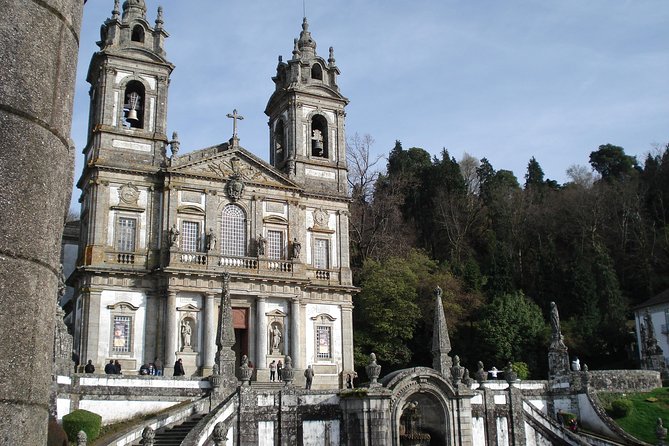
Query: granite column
point(40, 42)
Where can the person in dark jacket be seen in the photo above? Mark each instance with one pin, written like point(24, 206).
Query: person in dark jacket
point(179, 368)
point(89, 368)
point(109, 368)
point(117, 367)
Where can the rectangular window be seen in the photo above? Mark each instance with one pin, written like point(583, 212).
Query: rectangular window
point(274, 244)
point(127, 231)
point(321, 253)
point(323, 341)
point(190, 234)
point(121, 335)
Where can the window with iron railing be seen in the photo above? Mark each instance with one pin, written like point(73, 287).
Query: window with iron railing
point(127, 233)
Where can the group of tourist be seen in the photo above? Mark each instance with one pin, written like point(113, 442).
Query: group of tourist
point(112, 368)
point(154, 368)
point(275, 369)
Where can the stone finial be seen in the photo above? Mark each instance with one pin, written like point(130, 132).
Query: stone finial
point(331, 59)
point(296, 50)
point(373, 371)
point(466, 379)
point(441, 343)
point(245, 372)
point(660, 432)
point(116, 11)
point(175, 144)
point(287, 373)
point(159, 18)
point(509, 374)
point(82, 438)
point(481, 374)
point(134, 9)
point(457, 371)
point(220, 433)
point(148, 436)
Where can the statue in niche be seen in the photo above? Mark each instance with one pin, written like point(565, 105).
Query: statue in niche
point(262, 245)
point(276, 338)
point(297, 248)
point(173, 235)
point(186, 333)
point(211, 240)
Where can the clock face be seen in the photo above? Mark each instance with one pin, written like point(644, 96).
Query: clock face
point(321, 217)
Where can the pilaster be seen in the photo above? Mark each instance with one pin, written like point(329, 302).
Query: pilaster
point(209, 353)
point(261, 333)
point(91, 328)
point(347, 337)
point(295, 323)
point(170, 331)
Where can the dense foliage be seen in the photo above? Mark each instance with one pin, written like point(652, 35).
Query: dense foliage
point(596, 245)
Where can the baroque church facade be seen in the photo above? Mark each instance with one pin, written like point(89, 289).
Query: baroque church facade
point(159, 228)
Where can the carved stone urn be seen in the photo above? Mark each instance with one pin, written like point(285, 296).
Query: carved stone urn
point(287, 373)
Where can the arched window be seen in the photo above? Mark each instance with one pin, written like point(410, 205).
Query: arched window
point(319, 136)
point(279, 143)
point(233, 231)
point(317, 72)
point(137, 34)
point(133, 108)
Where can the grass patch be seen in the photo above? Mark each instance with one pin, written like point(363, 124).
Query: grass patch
point(646, 408)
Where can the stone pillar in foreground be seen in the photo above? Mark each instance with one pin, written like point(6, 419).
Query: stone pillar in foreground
point(38, 53)
point(261, 334)
point(209, 333)
point(171, 341)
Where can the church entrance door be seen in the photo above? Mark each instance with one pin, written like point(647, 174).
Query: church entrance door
point(240, 322)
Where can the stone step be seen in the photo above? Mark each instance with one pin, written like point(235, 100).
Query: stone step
point(173, 436)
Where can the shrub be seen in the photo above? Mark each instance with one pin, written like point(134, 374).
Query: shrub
point(82, 420)
point(521, 369)
point(620, 408)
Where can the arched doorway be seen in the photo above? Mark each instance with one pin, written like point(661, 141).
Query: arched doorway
point(423, 405)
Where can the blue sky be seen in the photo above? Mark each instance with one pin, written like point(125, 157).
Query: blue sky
point(507, 80)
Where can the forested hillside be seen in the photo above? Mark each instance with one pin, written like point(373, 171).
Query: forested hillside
point(502, 249)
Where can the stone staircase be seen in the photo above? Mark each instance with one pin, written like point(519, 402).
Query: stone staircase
point(173, 436)
point(267, 385)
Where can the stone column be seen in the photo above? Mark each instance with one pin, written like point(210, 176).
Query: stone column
point(39, 42)
point(210, 314)
point(170, 332)
point(261, 340)
point(295, 353)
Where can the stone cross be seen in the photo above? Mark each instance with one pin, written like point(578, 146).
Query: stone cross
point(234, 116)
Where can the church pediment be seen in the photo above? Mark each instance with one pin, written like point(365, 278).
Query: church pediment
point(232, 164)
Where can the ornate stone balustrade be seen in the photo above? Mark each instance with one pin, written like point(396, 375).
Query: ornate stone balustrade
point(131, 259)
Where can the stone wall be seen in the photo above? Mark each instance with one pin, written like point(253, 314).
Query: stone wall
point(119, 398)
point(624, 380)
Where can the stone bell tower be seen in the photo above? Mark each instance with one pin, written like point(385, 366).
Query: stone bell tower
point(129, 80)
point(306, 119)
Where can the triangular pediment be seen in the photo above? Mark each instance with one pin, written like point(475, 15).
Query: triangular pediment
point(223, 164)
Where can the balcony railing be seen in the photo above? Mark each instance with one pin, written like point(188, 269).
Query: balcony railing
point(126, 259)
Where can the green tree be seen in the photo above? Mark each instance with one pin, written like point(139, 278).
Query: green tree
point(512, 328)
point(611, 162)
point(385, 312)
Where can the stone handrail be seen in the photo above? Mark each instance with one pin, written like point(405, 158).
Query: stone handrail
point(549, 426)
point(134, 433)
point(203, 430)
point(609, 423)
